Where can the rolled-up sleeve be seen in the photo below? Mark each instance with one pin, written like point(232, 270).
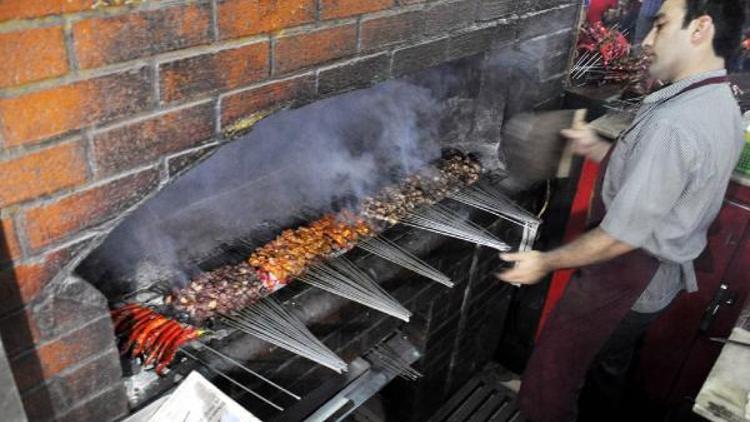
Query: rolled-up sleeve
point(659, 173)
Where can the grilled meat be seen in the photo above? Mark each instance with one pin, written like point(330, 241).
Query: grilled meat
point(293, 250)
point(223, 290)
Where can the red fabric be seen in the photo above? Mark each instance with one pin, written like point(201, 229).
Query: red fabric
point(576, 227)
point(597, 8)
point(594, 302)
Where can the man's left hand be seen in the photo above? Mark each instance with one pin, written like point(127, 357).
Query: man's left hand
point(530, 267)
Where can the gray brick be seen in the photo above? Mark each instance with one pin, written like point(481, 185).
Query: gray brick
point(479, 40)
point(538, 5)
point(446, 17)
point(418, 57)
point(493, 9)
point(553, 42)
point(553, 66)
point(548, 22)
point(360, 73)
point(390, 30)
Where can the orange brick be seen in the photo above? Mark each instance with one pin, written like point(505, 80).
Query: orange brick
point(32, 117)
point(32, 55)
point(10, 249)
point(53, 357)
point(41, 173)
point(101, 41)
point(334, 9)
point(82, 210)
point(128, 146)
point(248, 102)
point(214, 72)
point(20, 285)
point(299, 51)
point(238, 18)
point(23, 9)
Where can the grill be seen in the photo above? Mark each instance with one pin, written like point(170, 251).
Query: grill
point(163, 326)
point(483, 399)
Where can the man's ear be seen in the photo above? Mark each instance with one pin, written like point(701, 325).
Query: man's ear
point(702, 30)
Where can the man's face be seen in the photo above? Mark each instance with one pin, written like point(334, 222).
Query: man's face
point(668, 44)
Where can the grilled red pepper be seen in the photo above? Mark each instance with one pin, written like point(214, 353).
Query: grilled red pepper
point(167, 343)
point(189, 335)
point(131, 317)
point(154, 335)
point(136, 328)
point(160, 342)
point(142, 335)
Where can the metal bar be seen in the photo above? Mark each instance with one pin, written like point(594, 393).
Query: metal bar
point(728, 341)
point(223, 356)
point(233, 381)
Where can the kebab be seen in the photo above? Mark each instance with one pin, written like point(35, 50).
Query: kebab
point(222, 290)
point(425, 188)
point(156, 338)
point(275, 264)
point(292, 251)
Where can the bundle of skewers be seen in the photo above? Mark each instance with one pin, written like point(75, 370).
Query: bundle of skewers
point(604, 56)
point(311, 254)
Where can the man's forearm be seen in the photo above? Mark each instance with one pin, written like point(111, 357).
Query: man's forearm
point(591, 248)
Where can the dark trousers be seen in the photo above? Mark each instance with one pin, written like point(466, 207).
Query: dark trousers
point(604, 390)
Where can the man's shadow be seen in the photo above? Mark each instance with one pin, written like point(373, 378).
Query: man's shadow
point(16, 336)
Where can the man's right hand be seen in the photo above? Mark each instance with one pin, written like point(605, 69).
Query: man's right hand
point(587, 142)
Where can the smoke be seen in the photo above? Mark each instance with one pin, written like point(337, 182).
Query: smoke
point(299, 164)
point(294, 166)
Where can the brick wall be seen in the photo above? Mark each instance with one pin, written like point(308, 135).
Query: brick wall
point(100, 107)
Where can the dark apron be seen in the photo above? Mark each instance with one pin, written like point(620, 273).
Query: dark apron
point(596, 300)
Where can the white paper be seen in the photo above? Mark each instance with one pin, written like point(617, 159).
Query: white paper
point(726, 392)
point(197, 400)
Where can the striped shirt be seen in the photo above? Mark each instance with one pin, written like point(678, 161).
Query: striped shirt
point(667, 178)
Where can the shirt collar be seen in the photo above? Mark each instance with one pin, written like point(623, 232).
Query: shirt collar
point(673, 89)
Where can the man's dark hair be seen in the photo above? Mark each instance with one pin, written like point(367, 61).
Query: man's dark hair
point(728, 17)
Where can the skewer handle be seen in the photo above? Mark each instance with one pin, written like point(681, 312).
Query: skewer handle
point(566, 160)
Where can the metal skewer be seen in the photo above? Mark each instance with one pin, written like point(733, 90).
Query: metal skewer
point(390, 251)
point(389, 360)
point(232, 380)
point(581, 64)
point(250, 371)
point(441, 220)
point(295, 347)
point(341, 277)
point(490, 200)
point(494, 202)
point(270, 321)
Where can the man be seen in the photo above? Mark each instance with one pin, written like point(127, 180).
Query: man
point(660, 188)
